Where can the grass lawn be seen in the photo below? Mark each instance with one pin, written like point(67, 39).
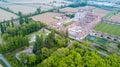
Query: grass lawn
point(108, 28)
point(36, 33)
point(68, 23)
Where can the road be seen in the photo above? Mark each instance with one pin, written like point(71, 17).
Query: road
point(4, 61)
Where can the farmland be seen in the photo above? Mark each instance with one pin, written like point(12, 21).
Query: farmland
point(115, 18)
point(38, 1)
point(27, 7)
point(100, 12)
point(108, 28)
point(46, 17)
point(21, 8)
point(73, 10)
point(6, 15)
point(69, 9)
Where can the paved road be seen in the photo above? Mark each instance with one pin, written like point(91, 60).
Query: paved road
point(4, 61)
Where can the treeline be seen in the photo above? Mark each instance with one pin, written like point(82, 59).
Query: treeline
point(12, 22)
point(78, 3)
point(13, 43)
point(7, 9)
point(24, 29)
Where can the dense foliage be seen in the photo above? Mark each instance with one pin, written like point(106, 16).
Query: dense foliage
point(64, 57)
point(24, 29)
point(14, 35)
point(13, 43)
point(44, 46)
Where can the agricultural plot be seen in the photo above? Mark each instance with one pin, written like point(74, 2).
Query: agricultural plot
point(108, 28)
point(41, 6)
point(91, 7)
point(35, 1)
point(46, 7)
point(46, 18)
point(27, 7)
point(6, 15)
point(40, 1)
point(115, 18)
point(100, 12)
point(69, 10)
point(54, 3)
point(20, 8)
point(74, 10)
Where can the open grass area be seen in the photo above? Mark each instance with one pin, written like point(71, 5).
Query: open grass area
point(108, 28)
point(68, 23)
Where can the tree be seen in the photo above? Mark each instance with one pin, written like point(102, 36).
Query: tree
point(5, 36)
point(12, 23)
point(23, 57)
point(13, 43)
point(31, 59)
point(77, 57)
point(50, 40)
point(20, 13)
point(88, 44)
point(26, 20)
point(38, 10)
point(2, 28)
point(119, 46)
point(44, 53)
point(12, 30)
point(21, 20)
point(39, 43)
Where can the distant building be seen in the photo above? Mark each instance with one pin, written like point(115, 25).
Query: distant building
point(85, 21)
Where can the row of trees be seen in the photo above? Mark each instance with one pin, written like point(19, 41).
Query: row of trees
point(5, 24)
point(24, 29)
point(78, 3)
point(22, 19)
point(13, 22)
point(13, 43)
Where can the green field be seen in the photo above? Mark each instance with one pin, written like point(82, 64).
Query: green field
point(108, 28)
